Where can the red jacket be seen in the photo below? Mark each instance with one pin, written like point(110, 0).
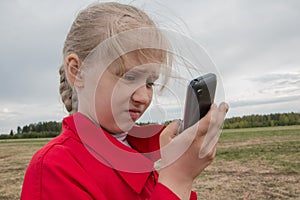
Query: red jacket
point(81, 166)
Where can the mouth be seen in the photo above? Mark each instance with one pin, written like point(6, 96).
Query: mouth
point(134, 114)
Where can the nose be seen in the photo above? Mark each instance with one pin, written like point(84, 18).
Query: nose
point(142, 95)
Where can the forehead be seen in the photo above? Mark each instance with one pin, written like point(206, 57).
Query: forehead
point(144, 56)
point(146, 60)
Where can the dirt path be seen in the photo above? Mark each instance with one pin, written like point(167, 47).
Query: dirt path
point(234, 180)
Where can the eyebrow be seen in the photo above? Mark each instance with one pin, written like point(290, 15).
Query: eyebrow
point(139, 70)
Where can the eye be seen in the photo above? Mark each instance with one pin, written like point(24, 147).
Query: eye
point(150, 85)
point(129, 77)
point(150, 82)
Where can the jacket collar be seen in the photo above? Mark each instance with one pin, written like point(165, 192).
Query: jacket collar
point(135, 164)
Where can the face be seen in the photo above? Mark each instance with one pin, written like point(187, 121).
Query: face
point(122, 96)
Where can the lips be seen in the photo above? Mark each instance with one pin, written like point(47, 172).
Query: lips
point(134, 114)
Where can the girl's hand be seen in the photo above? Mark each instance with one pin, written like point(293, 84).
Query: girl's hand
point(185, 156)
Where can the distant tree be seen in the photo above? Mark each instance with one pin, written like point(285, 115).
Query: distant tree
point(25, 129)
point(19, 130)
point(52, 128)
point(31, 128)
point(277, 119)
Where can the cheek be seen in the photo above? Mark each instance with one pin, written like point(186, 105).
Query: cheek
point(103, 100)
point(150, 95)
point(120, 96)
point(102, 105)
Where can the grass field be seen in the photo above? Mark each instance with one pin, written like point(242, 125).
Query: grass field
point(264, 162)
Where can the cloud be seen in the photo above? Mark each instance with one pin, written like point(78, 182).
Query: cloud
point(13, 114)
point(250, 36)
point(254, 43)
point(272, 92)
point(267, 101)
point(6, 114)
point(278, 84)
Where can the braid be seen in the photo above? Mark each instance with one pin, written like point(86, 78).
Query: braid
point(68, 95)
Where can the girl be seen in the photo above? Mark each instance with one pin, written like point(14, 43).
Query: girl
point(113, 54)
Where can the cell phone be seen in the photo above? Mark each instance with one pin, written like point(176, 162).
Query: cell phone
point(199, 97)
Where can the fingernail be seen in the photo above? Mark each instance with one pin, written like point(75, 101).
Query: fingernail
point(227, 107)
point(224, 107)
point(178, 121)
point(180, 125)
point(213, 105)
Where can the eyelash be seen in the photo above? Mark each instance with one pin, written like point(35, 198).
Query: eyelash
point(129, 77)
point(150, 84)
point(132, 77)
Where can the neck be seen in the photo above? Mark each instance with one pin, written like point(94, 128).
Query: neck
point(121, 137)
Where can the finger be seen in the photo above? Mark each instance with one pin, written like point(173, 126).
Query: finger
point(204, 123)
point(209, 147)
point(224, 107)
point(169, 133)
point(212, 153)
point(173, 146)
point(211, 122)
point(222, 110)
point(217, 117)
point(211, 138)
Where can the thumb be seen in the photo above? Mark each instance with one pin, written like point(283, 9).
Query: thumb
point(169, 133)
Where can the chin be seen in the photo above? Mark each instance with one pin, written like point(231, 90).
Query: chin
point(125, 127)
point(124, 123)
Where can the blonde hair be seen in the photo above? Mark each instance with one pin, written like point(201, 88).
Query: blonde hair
point(93, 25)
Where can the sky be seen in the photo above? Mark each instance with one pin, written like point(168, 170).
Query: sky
point(255, 45)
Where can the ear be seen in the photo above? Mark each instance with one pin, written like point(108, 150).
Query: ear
point(73, 71)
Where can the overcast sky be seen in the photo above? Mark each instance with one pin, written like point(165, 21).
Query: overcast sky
point(254, 43)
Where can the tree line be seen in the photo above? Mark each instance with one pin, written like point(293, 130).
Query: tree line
point(52, 128)
point(268, 120)
point(35, 130)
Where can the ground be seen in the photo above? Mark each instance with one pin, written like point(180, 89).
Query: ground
point(262, 162)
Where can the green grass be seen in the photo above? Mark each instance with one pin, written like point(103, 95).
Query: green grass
point(280, 148)
point(262, 161)
point(260, 133)
point(280, 155)
point(41, 141)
